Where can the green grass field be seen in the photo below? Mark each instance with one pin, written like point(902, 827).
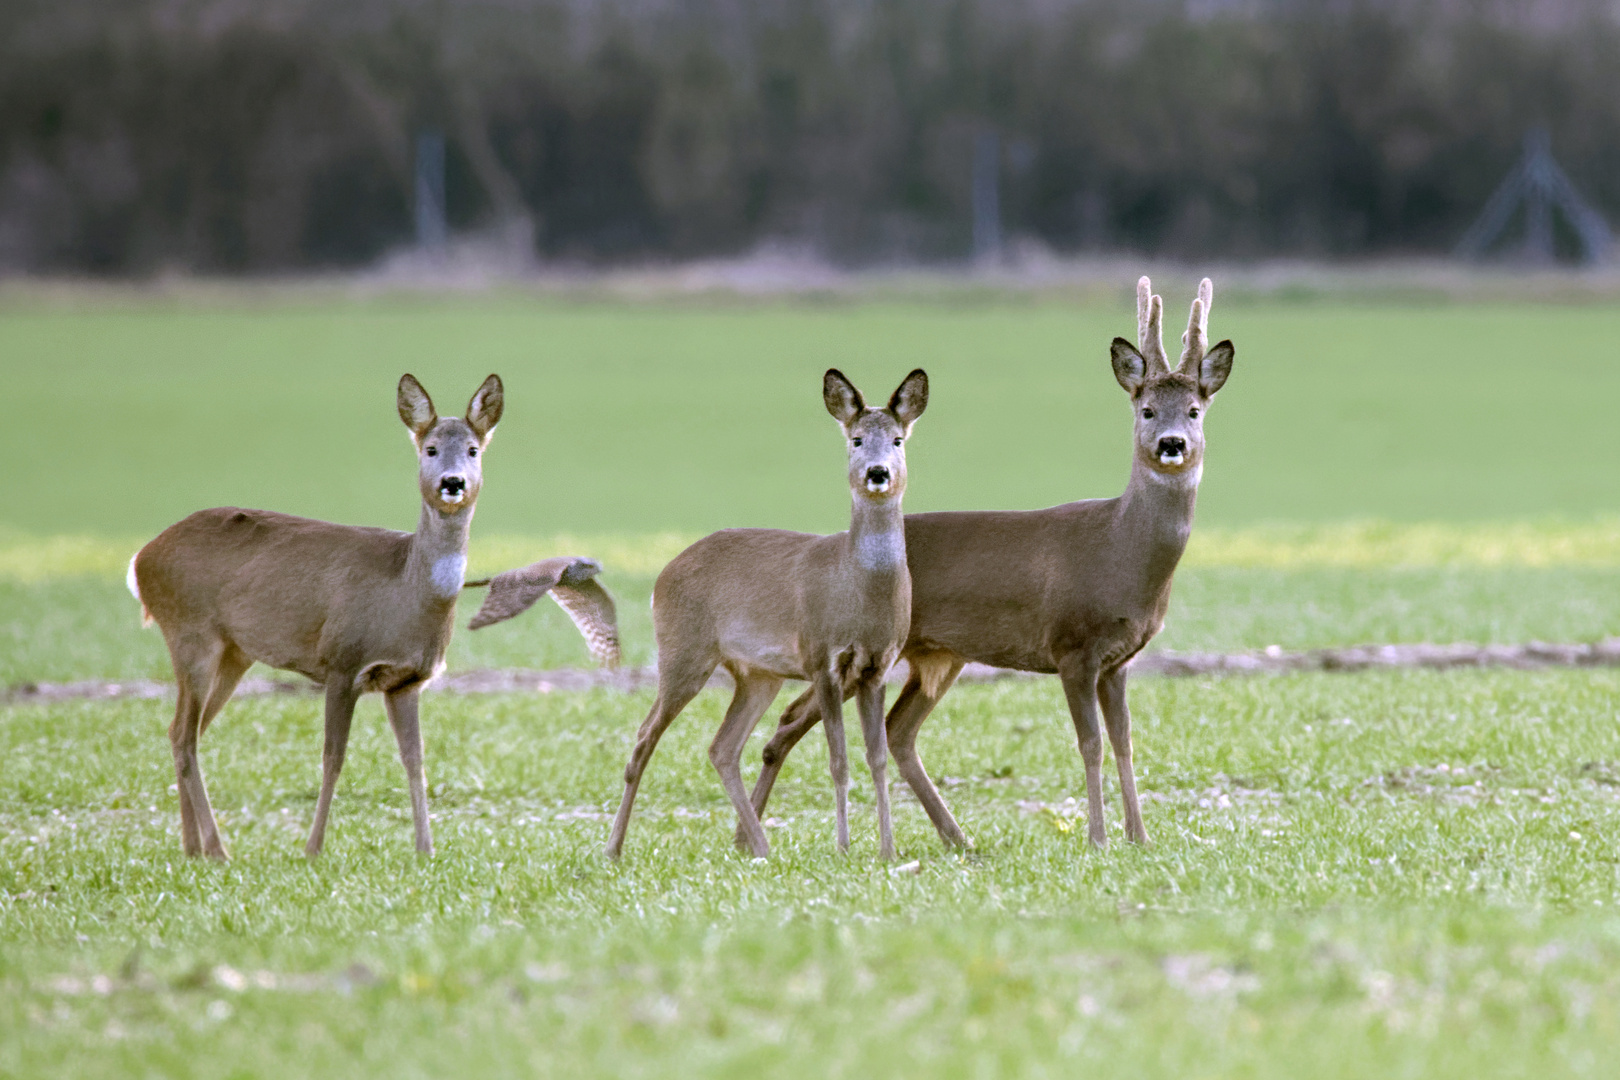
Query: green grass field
point(1402, 873)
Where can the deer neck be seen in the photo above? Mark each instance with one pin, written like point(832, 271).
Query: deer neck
point(1155, 517)
point(437, 563)
point(877, 536)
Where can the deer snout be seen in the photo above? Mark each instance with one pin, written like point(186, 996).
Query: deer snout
point(452, 488)
point(877, 477)
point(1172, 450)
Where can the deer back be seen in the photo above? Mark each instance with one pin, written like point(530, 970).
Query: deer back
point(309, 596)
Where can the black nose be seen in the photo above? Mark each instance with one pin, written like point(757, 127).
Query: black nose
point(452, 485)
point(1172, 445)
point(877, 474)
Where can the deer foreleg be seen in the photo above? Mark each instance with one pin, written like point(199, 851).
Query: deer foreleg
point(1079, 675)
point(869, 701)
point(1117, 715)
point(340, 699)
point(830, 703)
point(403, 717)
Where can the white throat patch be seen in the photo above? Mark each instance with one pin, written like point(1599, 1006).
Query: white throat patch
point(448, 574)
point(881, 551)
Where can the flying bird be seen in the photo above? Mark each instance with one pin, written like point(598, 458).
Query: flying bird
point(571, 582)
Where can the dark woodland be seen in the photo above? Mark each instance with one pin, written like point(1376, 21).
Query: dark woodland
point(148, 136)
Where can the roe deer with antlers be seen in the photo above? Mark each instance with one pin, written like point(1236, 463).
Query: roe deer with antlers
point(771, 605)
point(1075, 590)
point(355, 609)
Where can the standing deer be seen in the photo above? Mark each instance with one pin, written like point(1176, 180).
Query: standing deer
point(771, 605)
point(356, 609)
point(1075, 590)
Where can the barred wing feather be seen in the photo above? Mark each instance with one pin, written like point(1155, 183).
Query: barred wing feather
point(571, 583)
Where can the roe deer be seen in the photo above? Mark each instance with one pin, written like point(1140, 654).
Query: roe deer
point(771, 605)
point(354, 608)
point(1076, 589)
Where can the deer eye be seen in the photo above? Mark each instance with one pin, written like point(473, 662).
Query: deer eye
point(1193, 412)
point(472, 451)
point(1147, 414)
point(433, 451)
point(855, 441)
point(897, 442)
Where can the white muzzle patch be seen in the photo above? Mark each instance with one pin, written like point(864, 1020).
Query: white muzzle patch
point(1172, 459)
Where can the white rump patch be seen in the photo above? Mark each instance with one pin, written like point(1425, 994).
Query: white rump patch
point(877, 551)
point(448, 574)
point(135, 590)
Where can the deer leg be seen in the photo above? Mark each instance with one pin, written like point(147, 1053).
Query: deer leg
point(402, 717)
point(911, 708)
point(218, 671)
point(830, 703)
point(869, 702)
point(1079, 675)
point(674, 694)
point(183, 744)
point(754, 695)
point(340, 699)
point(228, 671)
point(796, 722)
point(1117, 715)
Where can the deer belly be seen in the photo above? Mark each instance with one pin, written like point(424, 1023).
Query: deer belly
point(765, 652)
point(388, 676)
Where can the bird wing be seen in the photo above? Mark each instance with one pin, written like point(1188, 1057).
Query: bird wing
point(591, 608)
point(571, 582)
point(515, 591)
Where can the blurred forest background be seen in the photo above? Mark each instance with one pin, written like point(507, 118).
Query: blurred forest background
point(225, 136)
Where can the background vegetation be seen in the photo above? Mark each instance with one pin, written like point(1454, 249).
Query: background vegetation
point(211, 136)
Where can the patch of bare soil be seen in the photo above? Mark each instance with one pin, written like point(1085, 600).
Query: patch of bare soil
point(1273, 660)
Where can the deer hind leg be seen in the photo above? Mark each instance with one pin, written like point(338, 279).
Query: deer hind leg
point(1079, 674)
point(931, 677)
point(340, 698)
point(676, 688)
point(869, 702)
point(796, 722)
point(1117, 715)
point(403, 717)
point(754, 695)
point(830, 703)
point(205, 684)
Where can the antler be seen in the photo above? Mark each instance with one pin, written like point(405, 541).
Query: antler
point(1195, 342)
point(1150, 328)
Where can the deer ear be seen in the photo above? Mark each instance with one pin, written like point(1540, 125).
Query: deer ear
point(484, 410)
point(843, 400)
point(1129, 367)
point(910, 399)
point(415, 407)
point(1214, 368)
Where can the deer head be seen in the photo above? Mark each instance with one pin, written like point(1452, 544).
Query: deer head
point(876, 438)
point(450, 451)
point(1170, 405)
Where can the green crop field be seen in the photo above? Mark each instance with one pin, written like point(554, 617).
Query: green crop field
point(1402, 873)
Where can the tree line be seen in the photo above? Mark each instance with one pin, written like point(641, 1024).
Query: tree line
point(143, 135)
